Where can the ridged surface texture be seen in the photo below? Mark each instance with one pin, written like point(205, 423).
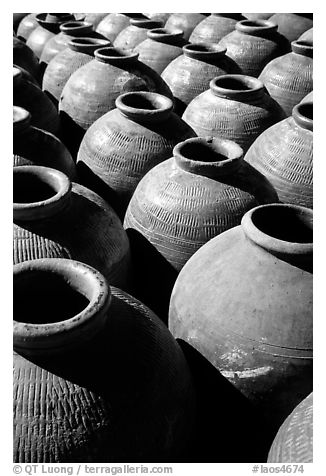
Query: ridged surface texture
point(240, 121)
point(188, 77)
point(185, 22)
point(88, 230)
point(251, 52)
point(178, 211)
point(37, 40)
point(125, 396)
point(92, 90)
point(157, 55)
point(288, 79)
point(291, 25)
point(284, 154)
point(23, 56)
point(26, 26)
point(249, 314)
point(38, 147)
point(30, 97)
point(112, 24)
point(121, 151)
point(59, 70)
point(294, 440)
point(213, 28)
point(131, 36)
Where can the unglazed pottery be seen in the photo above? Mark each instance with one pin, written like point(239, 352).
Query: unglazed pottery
point(214, 27)
point(284, 154)
point(95, 18)
point(135, 33)
point(79, 52)
point(244, 301)
point(294, 440)
point(307, 36)
point(92, 90)
point(124, 144)
point(54, 218)
point(235, 107)
point(26, 26)
point(23, 56)
point(97, 376)
point(114, 23)
point(292, 25)
point(17, 18)
point(162, 17)
point(185, 22)
point(29, 96)
point(308, 98)
point(190, 74)
point(253, 44)
point(26, 75)
point(160, 48)
point(289, 78)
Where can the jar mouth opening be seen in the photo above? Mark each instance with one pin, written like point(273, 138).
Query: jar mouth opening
point(236, 83)
point(208, 150)
point(75, 25)
point(306, 110)
point(165, 32)
point(88, 42)
point(303, 115)
point(305, 43)
point(112, 53)
point(145, 101)
point(261, 24)
point(145, 23)
point(204, 48)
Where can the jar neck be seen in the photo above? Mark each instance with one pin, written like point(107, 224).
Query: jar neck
point(87, 46)
point(52, 21)
point(262, 28)
point(39, 192)
point(303, 48)
point(21, 120)
point(144, 107)
point(145, 23)
point(303, 115)
point(42, 326)
point(210, 156)
point(76, 28)
point(283, 230)
point(205, 52)
point(237, 87)
point(115, 56)
point(164, 35)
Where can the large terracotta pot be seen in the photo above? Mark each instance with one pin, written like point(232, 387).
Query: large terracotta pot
point(214, 27)
point(17, 18)
point(68, 31)
point(284, 154)
point(292, 25)
point(124, 144)
point(95, 18)
point(253, 44)
point(26, 26)
point(114, 23)
point(135, 33)
point(92, 90)
point(49, 24)
point(54, 218)
point(23, 56)
point(289, 78)
point(160, 48)
point(190, 74)
point(236, 107)
point(33, 146)
point(294, 441)
point(79, 52)
point(97, 376)
point(31, 97)
point(185, 22)
point(244, 301)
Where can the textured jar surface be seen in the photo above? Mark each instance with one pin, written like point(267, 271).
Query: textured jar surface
point(294, 440)
point(26, 26)
point(185, 22)
point(131, 36)
point(113, 24)
point(291, 25)
point(23, 56)
point(87, 230)
point(289, 78)
point(124, 395)
point(38, 39)
point(284, 154)
point(213, 28)
point(95, 18)
point(248, 311)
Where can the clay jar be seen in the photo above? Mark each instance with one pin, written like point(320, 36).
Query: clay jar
point(23, 56)
point(49, 24)
point(26, 26)
point(253, 44)
point(190, 74)
point(307, 36)
point(68, 31)
point(236, 107)
point(308, 98)
point(289, 78)
point(185, 22)
point(135, 33)
point(54, 218)
point(294, 441)
point(214, 27)
point(292, 25)
point(124, 144)
point(92, 90)
point(114, 23)
point(78, 52)
point(30, 97)
point(284, 154)
point(244, 301)
point(160, 48)
point(94, 370)
point(33, 146)
point(95, 18)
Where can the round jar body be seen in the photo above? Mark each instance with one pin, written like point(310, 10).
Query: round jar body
point(185, 22)
point(291, 25)
point(26, 26)
point(23, 56)
point(213, 28)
